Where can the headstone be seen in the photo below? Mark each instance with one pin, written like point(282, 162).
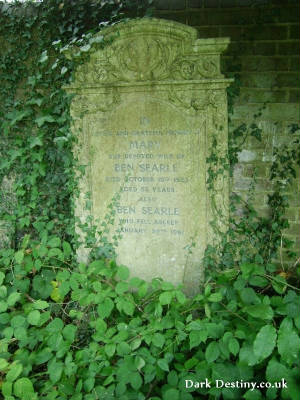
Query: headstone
point(148, 108)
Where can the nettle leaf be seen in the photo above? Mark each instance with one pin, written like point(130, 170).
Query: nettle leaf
point(163, 364)
point(215, 297)
point(104, 309)
point(23, 388)
point(15, 370)
point(122, 287)
point(67, 249)
point(69, 332)
point(55, 326)
point(212, 352)
point(123, 349)
point(171, 394)
point(173, 378)
point(158, 340)
point(54, 242)
point(288, 345)
point(196, 337)
point(13, 298)
point(276, 371)
point(261, 311)
point(110, 349)
point(264, 342)
point(136, 381)
point(33, 317)
point(165, 298)
point(55, 369)
point(139, 362)
point(180, 296)
point(247, 356)
point(233, 346)
point(2, 277)
point(40, 304)
point(19, 256)
point(123, 272)
point(3, 364)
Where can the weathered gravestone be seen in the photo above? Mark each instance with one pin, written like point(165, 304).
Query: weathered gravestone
point(147, 110)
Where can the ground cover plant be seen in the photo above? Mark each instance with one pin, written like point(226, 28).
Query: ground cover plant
point(76, 331)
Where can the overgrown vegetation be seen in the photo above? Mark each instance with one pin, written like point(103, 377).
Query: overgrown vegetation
point(70, 331)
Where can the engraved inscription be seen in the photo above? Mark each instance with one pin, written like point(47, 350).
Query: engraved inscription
point(150, 178)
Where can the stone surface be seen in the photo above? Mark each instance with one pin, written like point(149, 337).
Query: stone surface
point(147, 110)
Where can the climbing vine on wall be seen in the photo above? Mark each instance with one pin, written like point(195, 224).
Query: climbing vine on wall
point(75, 331)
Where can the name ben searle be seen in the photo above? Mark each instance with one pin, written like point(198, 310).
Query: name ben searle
point(219, 383)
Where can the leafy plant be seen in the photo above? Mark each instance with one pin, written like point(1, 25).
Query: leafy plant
point(91, 331)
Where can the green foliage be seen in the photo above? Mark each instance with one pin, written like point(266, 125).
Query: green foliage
point(76, 331)
point(34, 108)
point(107, 335)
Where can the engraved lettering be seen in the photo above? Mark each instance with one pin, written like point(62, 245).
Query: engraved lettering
point(160, 211)
point(125, 210)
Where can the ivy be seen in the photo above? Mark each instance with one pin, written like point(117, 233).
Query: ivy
point(71, 330)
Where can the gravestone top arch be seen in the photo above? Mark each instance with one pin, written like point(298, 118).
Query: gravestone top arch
point(148, 109)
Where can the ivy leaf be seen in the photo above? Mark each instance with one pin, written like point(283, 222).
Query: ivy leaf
point(264, 342)
point(16, 116)
point(44, 57)
point(35, 141)
point(85, 48)
point(40, 121)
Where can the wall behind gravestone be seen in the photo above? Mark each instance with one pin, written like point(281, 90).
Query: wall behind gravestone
point(264, 50)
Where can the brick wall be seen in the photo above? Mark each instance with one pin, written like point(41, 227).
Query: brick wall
point(265, 50)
